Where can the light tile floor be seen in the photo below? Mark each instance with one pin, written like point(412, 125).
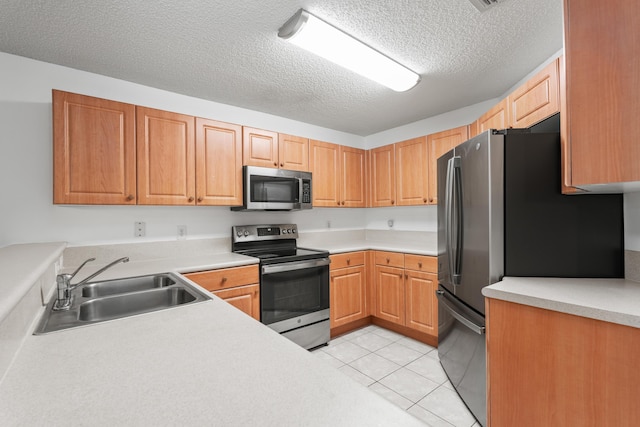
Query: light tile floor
point(402, 370)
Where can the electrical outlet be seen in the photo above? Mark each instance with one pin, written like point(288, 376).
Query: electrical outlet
point(390, 223)
point(182, 232)
point(328, 224)
point(140, 229)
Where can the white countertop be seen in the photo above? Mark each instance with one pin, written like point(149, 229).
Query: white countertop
point(204, 364)
point(610, 300)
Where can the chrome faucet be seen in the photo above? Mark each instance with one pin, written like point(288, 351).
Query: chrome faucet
point(63, 301)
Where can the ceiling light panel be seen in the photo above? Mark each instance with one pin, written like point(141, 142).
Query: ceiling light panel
point(313, 34)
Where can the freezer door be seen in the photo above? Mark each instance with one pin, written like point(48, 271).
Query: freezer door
point(461, 349)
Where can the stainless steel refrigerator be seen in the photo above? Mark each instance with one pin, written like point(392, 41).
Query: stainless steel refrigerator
point(501, 213)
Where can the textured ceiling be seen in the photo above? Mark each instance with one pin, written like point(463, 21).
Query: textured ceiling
point(229, 52)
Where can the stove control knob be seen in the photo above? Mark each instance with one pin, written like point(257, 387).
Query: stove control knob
point(285, 231)
point(239, 233)
point(293, 230)
point(246, 233)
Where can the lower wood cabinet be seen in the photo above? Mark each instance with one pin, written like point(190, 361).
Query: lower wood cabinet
point(239, 286)
point(348, 288)
point(546, 368)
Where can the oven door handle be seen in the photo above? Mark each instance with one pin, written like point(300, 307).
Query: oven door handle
point(296, 265)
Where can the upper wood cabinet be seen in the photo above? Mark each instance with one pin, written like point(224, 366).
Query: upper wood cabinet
point(383, 176)
point(600, 129)
point(218, 163)
point(338, 175)
point(293, 152)
point(260, 147)
point(496, 118)
point(166, 157)
point(537, 99)
point(438, 144)
point(412, 176)
point(93, 150)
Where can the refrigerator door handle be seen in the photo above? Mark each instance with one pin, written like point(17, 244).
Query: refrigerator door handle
point(453, 224)
point(448, 216)
point(455, 313)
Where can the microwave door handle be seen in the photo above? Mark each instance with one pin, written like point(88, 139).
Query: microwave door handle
point(300, 186)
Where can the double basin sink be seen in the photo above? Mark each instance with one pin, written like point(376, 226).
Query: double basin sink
point(113, 299)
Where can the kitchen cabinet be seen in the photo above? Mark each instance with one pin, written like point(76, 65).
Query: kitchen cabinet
point(383, 176)
point(94, 150)
point(259, 147)
point(348, 288)
point(165, 157)
point(338, 175)
point(405, 291)
point(293, 152)
point(496, 118)
point(412, 177)
point(438, 144)
point(218, 163)
point(547, 368)
point(239, 286)
point(601, 106)
point(536, 99)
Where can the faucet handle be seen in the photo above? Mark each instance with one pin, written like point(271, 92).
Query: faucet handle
point(81, 265)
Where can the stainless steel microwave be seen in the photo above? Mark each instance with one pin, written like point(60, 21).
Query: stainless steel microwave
point(268, 189)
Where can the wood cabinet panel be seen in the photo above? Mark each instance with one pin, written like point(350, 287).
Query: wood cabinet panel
point(421, 302)
point(293, 152)
point(421, 263)
point(225, 278)
point(218, 163)
point(602, 86)
point(93, 150)
point(535, 100)
point(547, 368)
point(353, 167)
point(390, 259)
point(383, 176)
point(260, 147)
point(244, 298)
point(348, 295)
point(349, 259)
point(496, 118)
point(412, 177)
point(324, 161)
point(390, 294)
point(166, 157)
point(438, 144)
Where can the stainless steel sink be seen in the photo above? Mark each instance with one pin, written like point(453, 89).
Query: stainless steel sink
point(114, 299)
point(131, 284)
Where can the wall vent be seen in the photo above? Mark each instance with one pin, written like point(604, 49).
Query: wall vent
point(483, 5)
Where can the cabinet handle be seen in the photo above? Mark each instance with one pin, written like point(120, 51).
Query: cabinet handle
point(406, 276)
point(388, 260)
point(281, 165)
point(200, 199)
point(424, 200)
point(338, 203)
point(348, 260)
point(419, 265)
point(431, 200)
point(190, 199)
point(392, 202)
point(343, 203)
point(275, 163)
point(224, 279)
point(130, 198)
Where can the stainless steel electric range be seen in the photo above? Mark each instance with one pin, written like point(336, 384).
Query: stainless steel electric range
point(294, 282)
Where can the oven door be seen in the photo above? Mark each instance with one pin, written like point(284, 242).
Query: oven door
point(294, 294)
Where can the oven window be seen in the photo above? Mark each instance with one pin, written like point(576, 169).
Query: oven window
point(290, 294)
point(274, 189)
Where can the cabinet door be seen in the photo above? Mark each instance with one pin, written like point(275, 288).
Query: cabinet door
point(383, 176)
point(421, 304)
point(496, 118)
point(293, 152)
point(260, 147)
point(438, 144)
point(602, 87)
point(166, 157)
point(324, 159)
point(244, 298)
point(348, 295)
point(218, 163)
point(535, 100)
point(412, 177)
point(390, 294)
point(353, 191)
point(93, 150)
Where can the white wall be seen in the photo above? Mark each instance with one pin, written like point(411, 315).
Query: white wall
point(632, 221)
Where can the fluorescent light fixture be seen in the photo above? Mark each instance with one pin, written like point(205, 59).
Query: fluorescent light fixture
point(313, 34)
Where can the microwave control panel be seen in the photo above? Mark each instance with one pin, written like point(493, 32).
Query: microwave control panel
point(306, 191)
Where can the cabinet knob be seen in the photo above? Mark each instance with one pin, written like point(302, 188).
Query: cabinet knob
point(348, 260)
point(388, 260)
point(190, 199)
point(419, 265)
point(275, 163)
point(199, 199)
point(424, 200)
point(406, 276)
point(281, 165)
point(338, 203)
point(130, 198)
point(431, 200)
point(343, 203)
point(224, 279)
point(392, 202)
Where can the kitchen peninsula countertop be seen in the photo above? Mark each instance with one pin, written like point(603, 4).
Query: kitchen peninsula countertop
point(609, 300)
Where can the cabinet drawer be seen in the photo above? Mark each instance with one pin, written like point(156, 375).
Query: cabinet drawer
point(225, 278)
point(349, 259)
point(391, 259)
point(421, 263)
